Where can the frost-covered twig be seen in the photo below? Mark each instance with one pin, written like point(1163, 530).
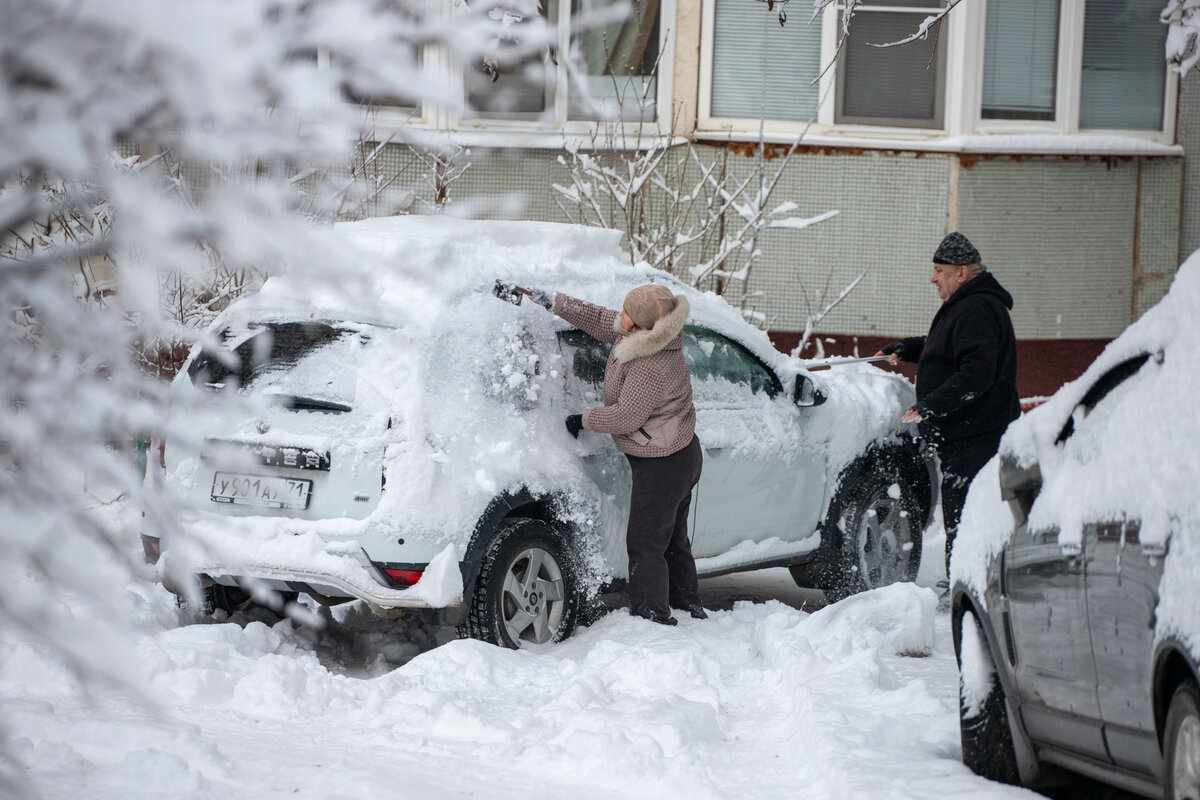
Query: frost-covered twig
point(815, 316)
point(1183, 34)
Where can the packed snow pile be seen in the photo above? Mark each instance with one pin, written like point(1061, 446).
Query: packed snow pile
point(760, 699)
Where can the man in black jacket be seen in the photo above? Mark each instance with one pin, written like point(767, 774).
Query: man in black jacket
point(966, 372)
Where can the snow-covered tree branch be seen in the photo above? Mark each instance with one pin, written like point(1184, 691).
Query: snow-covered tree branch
point(1183, 34)
point(682, 213)
point(153, 155)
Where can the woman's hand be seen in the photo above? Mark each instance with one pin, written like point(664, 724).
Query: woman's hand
point(575, 424)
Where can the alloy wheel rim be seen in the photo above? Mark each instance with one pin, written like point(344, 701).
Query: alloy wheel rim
point(1186, 769)
point(531, 601)
point(884, 542)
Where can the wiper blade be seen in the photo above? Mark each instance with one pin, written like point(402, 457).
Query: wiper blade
point(301, 403)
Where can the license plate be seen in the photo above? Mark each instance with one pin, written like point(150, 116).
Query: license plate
point(260, 490)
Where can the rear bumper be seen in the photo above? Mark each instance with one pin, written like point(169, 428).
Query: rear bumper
point(351, 576)
point(324, 584)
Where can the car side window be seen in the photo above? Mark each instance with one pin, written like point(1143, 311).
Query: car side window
point(589, 356)
point(1101, 389)
point(711, 356)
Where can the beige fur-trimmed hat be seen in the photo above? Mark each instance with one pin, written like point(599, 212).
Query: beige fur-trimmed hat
point(647, 304)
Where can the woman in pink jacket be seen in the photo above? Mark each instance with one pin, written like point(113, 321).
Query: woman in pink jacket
point(649, 413)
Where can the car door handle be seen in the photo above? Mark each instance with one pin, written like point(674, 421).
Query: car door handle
point(1072, 564)
point(1154, 549)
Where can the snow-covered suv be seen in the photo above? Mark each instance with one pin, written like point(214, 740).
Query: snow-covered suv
point(410, 452)
point(1076, 614)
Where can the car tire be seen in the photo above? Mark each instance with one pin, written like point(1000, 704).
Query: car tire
point(527, 590)
point(1181, 744)
point(876, 530)
point(987, 743)
point(229, 599)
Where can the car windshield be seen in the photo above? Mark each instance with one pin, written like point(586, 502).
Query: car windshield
point(309, 365)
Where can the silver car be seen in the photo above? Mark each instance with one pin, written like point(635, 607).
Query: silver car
point(1075, 611)
point(411, 452)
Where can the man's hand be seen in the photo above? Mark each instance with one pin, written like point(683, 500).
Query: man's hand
point(892, 351)
point(575, 424)
point(912, 415)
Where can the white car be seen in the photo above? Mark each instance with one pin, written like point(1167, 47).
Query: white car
point(1076, 614)
point(406, 447)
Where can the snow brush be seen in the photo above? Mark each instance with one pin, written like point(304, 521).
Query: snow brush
point(510, 292)
point(817, 366)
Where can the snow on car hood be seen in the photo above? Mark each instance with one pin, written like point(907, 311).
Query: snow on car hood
point(1141, 453)
point(474, 393)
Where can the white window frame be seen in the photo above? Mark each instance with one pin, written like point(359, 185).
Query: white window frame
point(1067, 90)
point(963, 82)
point(550, 129)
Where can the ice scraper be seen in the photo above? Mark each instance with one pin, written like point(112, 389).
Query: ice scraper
point(510, 292)
point(816, 366)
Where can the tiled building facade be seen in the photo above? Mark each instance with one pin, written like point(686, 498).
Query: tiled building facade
point(1067, 157)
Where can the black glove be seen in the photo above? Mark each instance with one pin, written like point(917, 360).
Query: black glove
point(575, 424)
point(894, 347)
point(542, 298)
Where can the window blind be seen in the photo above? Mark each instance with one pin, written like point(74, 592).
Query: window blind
point(761, 69)
point(890, 85)
point(1020, 59)
point(1124, 68)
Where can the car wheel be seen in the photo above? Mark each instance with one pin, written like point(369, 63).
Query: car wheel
point(1181, 745)
point(527, 591)
point(987, 743)
point(877, 518)
point(229, 599)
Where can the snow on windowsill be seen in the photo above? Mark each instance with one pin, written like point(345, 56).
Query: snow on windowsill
point(526, 135)
point(1048, 144)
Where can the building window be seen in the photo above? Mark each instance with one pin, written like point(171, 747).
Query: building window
point(612, 48)
point(1020, 68)
point(615, 62)
point(1055, 66)
point(510, 81)
point(761, 70)
point(1121, 83)
point(914, 96)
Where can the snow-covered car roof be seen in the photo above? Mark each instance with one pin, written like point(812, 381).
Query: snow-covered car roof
point(425, 264)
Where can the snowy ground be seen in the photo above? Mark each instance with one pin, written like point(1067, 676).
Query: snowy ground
point(773, 696)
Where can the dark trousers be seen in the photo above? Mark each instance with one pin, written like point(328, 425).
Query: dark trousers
point(961, 461)
point(662, 572)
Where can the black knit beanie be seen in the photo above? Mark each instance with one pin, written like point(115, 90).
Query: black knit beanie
point(957, 250)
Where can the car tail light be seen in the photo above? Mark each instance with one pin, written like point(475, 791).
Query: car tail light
point(404, 577)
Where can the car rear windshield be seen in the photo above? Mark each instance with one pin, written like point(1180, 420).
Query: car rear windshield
point(308, 363)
